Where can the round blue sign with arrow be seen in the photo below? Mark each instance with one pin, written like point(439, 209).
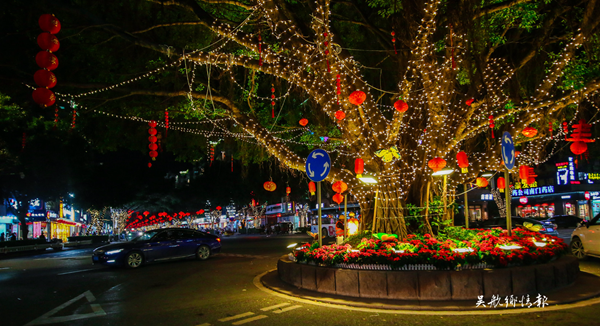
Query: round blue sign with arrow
point(508, 150)
point(318, 165)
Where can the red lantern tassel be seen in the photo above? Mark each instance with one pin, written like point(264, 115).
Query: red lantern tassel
point(55, 117)
point(23, 144)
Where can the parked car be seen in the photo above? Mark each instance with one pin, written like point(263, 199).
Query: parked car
point(585, 239)
point(158, 245)
point(500, 222)
point(565, 221)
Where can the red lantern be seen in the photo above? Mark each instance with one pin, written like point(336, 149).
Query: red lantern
point(44, 78)
point(463, 161)
point(312, 188)
point(481, 182)
point(338, 198)
point(49, 42)
point(288, 190)
point(270, 186)
point(152, 131)
point(339, 186)
point(523, 173)
point(529, 132)
point(153, 146)
point(359, 167)
point(218, 208)
point(470, 101)
point(401, 106)
point(46, 60)
point(501, 184)
point(303, 122)
point(149, 164)
point(523, 200)
point(437, 164)
point(152, 139)
point(357, 97)
point(578, 147)
point(153, 154)
point(43, 96)
point(586, 195)
point(49, 23)
point(340, 115)
point(152, 124)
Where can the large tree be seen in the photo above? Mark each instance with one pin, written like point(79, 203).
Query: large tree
point(216, 64)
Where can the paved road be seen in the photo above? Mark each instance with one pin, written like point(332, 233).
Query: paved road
point(66, 289)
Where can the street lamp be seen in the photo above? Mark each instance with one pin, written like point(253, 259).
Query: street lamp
point(371, 180)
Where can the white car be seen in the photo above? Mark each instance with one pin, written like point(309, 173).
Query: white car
point(585, 239)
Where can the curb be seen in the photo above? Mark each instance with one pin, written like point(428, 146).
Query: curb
point(269, 282)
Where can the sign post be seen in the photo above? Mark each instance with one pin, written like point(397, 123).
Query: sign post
point(508, 158)
point(318, 165)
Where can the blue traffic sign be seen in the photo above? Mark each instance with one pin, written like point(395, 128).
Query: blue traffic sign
point(508, 150)
point(318, 165)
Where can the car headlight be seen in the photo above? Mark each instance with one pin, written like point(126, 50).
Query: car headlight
point(112, 252)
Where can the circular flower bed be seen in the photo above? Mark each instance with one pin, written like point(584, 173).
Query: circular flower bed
point(457, 249)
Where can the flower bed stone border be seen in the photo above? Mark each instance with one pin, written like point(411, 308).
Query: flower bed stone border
point(431, 285)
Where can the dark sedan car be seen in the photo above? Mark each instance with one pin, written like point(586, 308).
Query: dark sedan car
point(158, 245)
point(565, 221)
point(500, 222)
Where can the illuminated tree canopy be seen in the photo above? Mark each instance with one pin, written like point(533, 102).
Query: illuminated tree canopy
point(243, 74)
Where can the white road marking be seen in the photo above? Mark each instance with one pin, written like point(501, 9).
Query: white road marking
point(286, 309)
point(243, 321)
point(4, 267)
point(73, 272)
point(275, 306)
point(48, 319)
point(64, 257)
point(205, 324)
point(237, 316)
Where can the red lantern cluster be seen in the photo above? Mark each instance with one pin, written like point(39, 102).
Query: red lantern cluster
point(166, 121)
point(527, 174)
point(492, 125)
point(212, 154)
point(359, 167)
point(401, 106)
point(463, 161)
point(357, 97)
point(303, 122)
point(394, 41)
point(339, 187)
point(288, 190)
point(565, 126)
point(580, 136)
point(260, 61)
point(44, 78)
point(272, 101)
point(338, 90)
point(326, 51)
point(312, 188)
point(152, 138)
point(436, 164)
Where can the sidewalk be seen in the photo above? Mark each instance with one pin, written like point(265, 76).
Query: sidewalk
point(587, 286)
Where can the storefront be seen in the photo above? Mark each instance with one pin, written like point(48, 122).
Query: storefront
point(62, 229)
point(8, 223)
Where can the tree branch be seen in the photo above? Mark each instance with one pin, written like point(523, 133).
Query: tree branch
point(499, 6)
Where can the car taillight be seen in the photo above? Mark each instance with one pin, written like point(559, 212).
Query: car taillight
point(219, 239)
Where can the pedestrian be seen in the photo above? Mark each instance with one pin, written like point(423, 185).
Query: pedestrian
point(42, 236)
point(13, 237)
point(2, 236)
